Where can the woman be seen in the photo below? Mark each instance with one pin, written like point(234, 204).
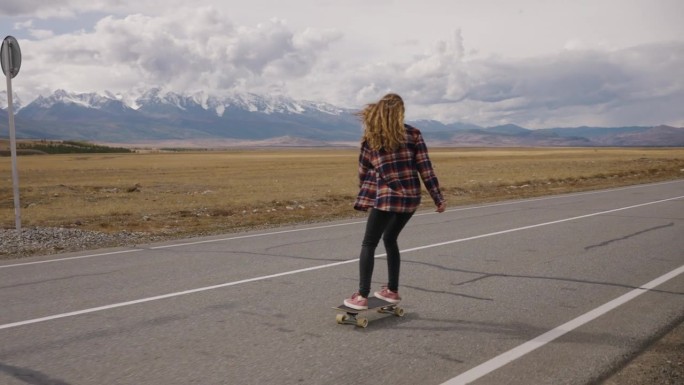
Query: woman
point(393, 157)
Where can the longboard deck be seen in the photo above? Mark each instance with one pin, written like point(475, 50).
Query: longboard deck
point(382, 306)
point(373, 303)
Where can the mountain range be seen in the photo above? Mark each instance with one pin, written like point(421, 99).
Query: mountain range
point(202, 120)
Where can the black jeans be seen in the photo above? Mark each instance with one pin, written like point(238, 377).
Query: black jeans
point(387, 225)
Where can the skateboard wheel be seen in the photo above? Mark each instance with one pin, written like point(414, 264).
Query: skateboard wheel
point(340, 318)
point(399, 312)
point(362, 322)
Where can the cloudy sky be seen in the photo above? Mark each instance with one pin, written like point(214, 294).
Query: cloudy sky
point(536, 63)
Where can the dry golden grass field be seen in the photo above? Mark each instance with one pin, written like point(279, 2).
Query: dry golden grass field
point(172, 195)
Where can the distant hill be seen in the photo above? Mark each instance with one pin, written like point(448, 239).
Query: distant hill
point(515, 136)
point(653, 136)
point(272, 121)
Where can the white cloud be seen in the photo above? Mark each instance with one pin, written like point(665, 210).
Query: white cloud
point(510, 62)
point(41, 33)
point(29, 6)
point(190, 49)
point(73, 8)
point(24, 24)
point(576, 87)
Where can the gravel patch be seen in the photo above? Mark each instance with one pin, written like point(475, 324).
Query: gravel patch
point(51, 240)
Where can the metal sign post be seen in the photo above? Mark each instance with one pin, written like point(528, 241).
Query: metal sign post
point(11, 61)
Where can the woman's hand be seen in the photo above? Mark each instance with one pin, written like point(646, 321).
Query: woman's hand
point(441, 207)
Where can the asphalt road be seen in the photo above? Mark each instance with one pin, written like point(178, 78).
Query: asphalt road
point(554, 290)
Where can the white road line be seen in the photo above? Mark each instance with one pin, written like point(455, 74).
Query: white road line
point(164, 296)
point(255, 279)
point(177, 245)
point(521, 350)
point(70, 258)
point(507, 203)
point(539, 225)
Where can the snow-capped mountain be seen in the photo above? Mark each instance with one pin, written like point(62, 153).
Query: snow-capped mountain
point(240, 101)
point(155, 115)
point(16, 101)
point(155, 98)
point(91, 100)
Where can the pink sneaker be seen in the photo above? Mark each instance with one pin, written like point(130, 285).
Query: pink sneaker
point(388, 295)
point(356, 302)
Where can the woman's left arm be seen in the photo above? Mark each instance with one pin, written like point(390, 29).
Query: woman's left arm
point(427, 174)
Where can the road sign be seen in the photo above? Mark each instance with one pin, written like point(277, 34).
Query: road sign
point(11, 56)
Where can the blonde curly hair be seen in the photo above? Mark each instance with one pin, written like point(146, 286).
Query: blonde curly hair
point(384, 123)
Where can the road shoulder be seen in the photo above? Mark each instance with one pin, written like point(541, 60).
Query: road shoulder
point(661, 363)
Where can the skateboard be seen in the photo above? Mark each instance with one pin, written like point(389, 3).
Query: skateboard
point(350, 316)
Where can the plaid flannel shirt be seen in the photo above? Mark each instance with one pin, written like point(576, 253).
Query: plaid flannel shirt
point(389, 181)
